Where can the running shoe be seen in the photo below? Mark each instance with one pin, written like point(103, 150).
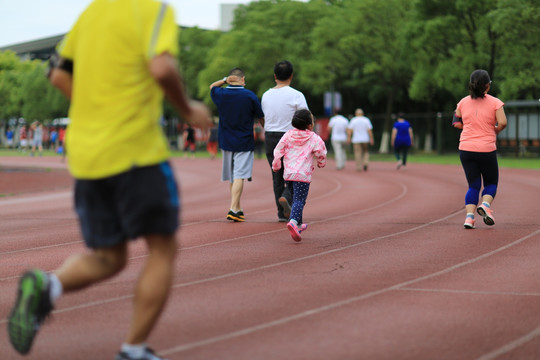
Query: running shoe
point(295, 232)
point(236, 216)
point(33, 305)
point(286, 206)
point(149, 354)
point(487, 214)
point(469, 223)
point(302, 227)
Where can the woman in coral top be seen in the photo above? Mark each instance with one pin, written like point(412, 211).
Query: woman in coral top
point(482, 117)
point(299, 147)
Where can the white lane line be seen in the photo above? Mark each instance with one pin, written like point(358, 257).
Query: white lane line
point(39, 248)
point(304, 314)
point(472, 292)
point(511, 345)
point(30, 199)
point(337, 188)
point(264, 267)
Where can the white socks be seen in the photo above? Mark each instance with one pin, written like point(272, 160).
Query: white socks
point(56, 288)
point(135, 351)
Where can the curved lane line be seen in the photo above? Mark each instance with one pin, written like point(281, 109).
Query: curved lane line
point(338, 304)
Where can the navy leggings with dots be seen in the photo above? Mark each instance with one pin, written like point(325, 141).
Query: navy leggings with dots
point(300, 192)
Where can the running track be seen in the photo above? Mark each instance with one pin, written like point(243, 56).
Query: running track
point(384, 271)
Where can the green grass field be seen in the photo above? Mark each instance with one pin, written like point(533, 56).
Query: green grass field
point(420, 158)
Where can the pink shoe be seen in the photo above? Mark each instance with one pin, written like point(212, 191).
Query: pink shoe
point(469, 223)
point(295, 232)
point(487, 214)
point(302, 227)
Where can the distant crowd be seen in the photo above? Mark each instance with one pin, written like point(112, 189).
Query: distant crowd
point(35, 137)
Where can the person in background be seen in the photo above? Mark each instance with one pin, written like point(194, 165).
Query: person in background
point(402, 140)
point(360, 134)
point(61, 149)
point(279, 105)
point(481, 117)
point(125, 188)
point(212, 143)
point(37, 138)
point(338, 127)
point(190, 144)
point(238, 107)
point(298, 147)
point(258, 135)
point(53, 139)
point(23, 139)
point(9, 137)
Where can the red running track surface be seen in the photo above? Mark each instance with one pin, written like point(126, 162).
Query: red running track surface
point(384, 271)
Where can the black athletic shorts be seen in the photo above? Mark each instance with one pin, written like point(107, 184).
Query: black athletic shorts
point(141, 201)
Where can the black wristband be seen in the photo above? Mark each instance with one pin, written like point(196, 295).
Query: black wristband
point(456, 119)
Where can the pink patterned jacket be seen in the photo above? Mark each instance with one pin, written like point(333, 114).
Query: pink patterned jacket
point(298, 148)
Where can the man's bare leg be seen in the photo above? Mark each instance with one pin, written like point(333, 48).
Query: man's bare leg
point(153, 286)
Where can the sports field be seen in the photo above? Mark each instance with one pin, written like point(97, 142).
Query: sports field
point(384, 271)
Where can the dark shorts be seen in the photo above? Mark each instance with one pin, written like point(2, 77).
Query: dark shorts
point(141, 201)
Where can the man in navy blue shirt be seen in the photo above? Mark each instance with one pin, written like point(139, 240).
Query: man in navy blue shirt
point(238, 108)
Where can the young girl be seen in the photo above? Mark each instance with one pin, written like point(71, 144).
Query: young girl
point(298, 147)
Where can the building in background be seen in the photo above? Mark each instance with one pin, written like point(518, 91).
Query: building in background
point(227, 16)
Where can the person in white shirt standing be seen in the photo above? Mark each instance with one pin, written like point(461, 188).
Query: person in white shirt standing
point(279, 105)
point(360, 134)
point(338, 127)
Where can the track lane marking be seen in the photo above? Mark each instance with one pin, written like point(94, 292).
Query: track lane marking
point(351, 300)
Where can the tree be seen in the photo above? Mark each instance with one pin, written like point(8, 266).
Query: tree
point(195, 46)
point(516, 23)
point(9, 83)
point(40, 101)
point(262, 34)
point(364, 53)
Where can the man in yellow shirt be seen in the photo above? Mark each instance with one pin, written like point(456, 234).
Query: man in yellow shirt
point(115, 65)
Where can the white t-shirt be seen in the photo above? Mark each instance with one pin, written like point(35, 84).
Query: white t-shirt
point(279, 106)
point(339, 124)
point(360, 126)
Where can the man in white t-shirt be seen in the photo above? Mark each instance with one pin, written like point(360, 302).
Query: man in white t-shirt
point(338, 127)
point(360, 134)
point(279, 105)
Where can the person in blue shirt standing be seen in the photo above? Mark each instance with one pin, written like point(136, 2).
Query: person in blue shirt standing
point(238, 107)
point(402, 140)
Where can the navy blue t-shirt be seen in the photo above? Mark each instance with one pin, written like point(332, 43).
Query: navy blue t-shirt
point(238, 108)
point(403, 138)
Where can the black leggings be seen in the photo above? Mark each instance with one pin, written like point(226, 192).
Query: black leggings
point(401, 152)
point(478, 167)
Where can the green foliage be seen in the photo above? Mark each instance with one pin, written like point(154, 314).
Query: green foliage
point(25, 91)
point(516, 23)
point(195, 46)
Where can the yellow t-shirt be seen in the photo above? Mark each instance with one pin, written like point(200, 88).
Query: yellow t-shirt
point(116, 105)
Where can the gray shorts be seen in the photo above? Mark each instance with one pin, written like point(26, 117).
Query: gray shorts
point(236, 165)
